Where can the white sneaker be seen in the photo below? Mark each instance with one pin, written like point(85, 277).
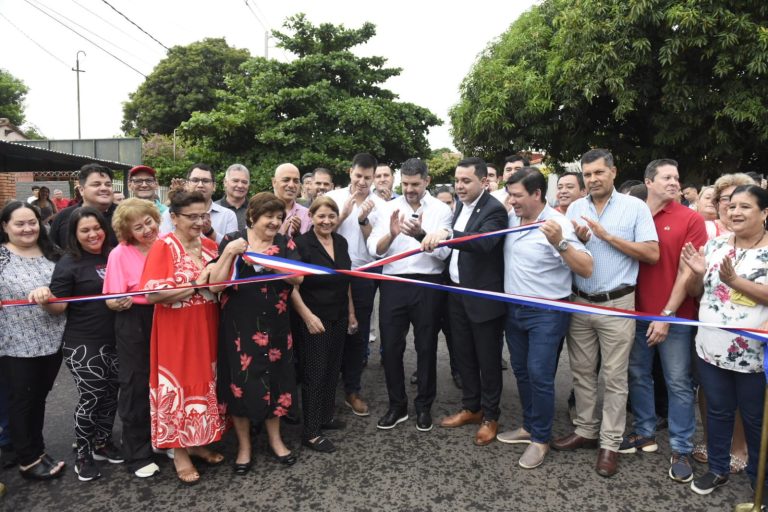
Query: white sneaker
point(147, 471)
point(167, 452)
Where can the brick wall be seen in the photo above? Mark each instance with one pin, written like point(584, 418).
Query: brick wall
point(7, 187)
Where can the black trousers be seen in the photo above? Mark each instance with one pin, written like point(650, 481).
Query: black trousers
point(477, 350)
point(401, 305)
point(133, 330)
point(94, 370)
point(356, 345)
point(320, 366)
point(28, 381)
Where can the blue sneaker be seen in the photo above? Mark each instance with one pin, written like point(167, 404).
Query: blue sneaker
point(680, 469)
point(634, 442)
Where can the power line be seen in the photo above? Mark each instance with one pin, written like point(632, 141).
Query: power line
point(35, 42)
point(82, 36)
point(255, 15)
point(135, 25)
point(126, 34)
point(91, 32)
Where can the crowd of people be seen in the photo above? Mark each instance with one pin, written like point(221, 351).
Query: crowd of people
point(198, 353)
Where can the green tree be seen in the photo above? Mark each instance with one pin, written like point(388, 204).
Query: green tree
point(12, 93)
point(183, 82)
point(317, 110)
point(442, 165)
point(645, 78)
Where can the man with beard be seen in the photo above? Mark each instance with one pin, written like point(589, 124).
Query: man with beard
point(322, 180)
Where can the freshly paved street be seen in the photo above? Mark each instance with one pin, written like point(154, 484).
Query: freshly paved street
point(401, 469)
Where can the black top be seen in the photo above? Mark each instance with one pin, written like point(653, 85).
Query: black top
point(60, 226)
point(326, 296)
point(239, 212)
point(87, 322)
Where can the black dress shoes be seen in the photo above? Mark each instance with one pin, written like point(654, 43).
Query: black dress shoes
point(334, 424)
point(320, 444)
point(392, 418)
point(424, 421)
point(242, 469)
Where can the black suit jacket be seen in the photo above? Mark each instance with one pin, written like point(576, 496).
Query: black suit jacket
point(325, 295)
point(481, 262)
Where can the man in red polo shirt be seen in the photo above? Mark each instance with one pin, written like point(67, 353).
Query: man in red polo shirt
point(661, 291)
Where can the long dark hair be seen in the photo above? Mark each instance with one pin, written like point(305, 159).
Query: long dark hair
point(44, 242)
point(73, 246)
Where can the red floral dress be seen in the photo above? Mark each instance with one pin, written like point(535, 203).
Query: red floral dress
point(182, 383)
point(256, 366)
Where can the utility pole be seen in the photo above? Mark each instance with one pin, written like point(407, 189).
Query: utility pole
point(77, 71)
point(266, 44)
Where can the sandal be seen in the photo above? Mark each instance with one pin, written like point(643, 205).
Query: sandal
point(43, 469)
point(208, 456)
point(737, 464)
point(699, 453)
point(188, 476)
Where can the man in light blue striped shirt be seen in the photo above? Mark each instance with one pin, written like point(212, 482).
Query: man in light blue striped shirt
point(619, 232)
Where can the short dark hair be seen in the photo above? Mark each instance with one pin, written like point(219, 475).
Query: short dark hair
point(755, 176)
point(639, 191)
point(44, 242)
point(653, 167)
point(626, 185)
point(578, 175)
point(532, 180)
point(443, 189)
point(73, 245)
point(414, 167)
point(261, 203)
point(202, 167)
point(759, 193)
point(181, 199)
point(517, 158)
point(89, 169)
point(481, 168)
point(35, 187)
point(689, 185)
point(365, 161)
point(306, 175)
point(322, 170)
point(596, 154)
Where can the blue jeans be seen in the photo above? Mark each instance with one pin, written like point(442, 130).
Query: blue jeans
point(675, 354)
point(726, 390)
point(533, 337)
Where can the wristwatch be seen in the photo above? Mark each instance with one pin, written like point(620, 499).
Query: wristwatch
point(363, 222)
point(562, 245)
point(667, 312)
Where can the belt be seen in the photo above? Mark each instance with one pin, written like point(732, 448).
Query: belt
point(604, 296)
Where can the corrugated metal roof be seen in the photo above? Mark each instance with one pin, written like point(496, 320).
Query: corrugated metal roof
point(24, 158)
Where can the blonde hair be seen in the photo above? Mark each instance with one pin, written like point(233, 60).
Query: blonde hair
point(730, 180)
point(128, 212)
point(323, 201)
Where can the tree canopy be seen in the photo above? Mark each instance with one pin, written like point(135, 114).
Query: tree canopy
point(183, 82)
point(12, 93)
point(317, 110)
point(645, 78)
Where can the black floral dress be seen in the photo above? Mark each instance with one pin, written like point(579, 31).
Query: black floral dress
point(256, 375)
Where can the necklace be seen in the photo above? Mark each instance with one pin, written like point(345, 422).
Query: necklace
point(740, 257)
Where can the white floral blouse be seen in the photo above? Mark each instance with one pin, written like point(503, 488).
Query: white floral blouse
point(723, 305)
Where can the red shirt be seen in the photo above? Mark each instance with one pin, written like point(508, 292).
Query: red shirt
point(676, 225)
point(61, 203)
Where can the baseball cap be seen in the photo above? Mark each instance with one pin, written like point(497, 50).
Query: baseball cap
point(141, 168)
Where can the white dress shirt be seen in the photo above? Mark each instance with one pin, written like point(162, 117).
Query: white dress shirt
point(435, 215)
point(223, 221)
point(351, 229)
point(500, 194)
point(461, 225)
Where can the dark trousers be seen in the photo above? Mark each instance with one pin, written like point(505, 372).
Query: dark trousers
point(401, 305)
point(445, 326)
point(726, 391)
point(28, 381)
point(94, 369)
point(133, 330)
point(5, 429)
point(321, 356)
point(356, 345)
point(477, 349)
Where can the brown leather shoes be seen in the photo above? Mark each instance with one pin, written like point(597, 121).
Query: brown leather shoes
point(486, 434)
point(607, 462)
point(573, 442)
point(463, 417)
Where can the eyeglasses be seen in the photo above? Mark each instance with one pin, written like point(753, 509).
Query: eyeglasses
point(724, 199)
point(143, 181)
point(194, 217)
point(204, 181)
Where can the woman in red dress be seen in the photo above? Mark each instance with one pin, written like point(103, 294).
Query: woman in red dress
point(185, 414)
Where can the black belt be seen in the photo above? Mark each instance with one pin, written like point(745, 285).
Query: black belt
point(604, 296)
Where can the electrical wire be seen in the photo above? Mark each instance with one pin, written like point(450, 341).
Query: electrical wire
point(135, 25)
point(30, 38)
point(97, 15)
point(82, 36)
point(255, 15)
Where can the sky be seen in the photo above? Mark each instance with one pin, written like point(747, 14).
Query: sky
point(435, 44)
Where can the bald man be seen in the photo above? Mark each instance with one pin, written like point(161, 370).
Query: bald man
point(286, 184)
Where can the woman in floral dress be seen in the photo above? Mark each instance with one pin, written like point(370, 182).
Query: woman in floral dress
point(184, 411)
point(730, 277)
point(256, 367)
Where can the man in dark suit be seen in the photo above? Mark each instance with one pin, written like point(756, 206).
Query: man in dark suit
point(476, 324)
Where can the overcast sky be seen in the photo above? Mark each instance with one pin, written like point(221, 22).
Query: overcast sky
point(435, 43)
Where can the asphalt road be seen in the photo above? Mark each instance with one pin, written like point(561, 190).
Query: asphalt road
point(397, 470)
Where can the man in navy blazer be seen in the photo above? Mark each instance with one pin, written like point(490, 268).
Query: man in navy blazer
point(476, 323)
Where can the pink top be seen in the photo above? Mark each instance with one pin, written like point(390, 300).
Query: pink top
point(124, 268)
point(303, 213)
